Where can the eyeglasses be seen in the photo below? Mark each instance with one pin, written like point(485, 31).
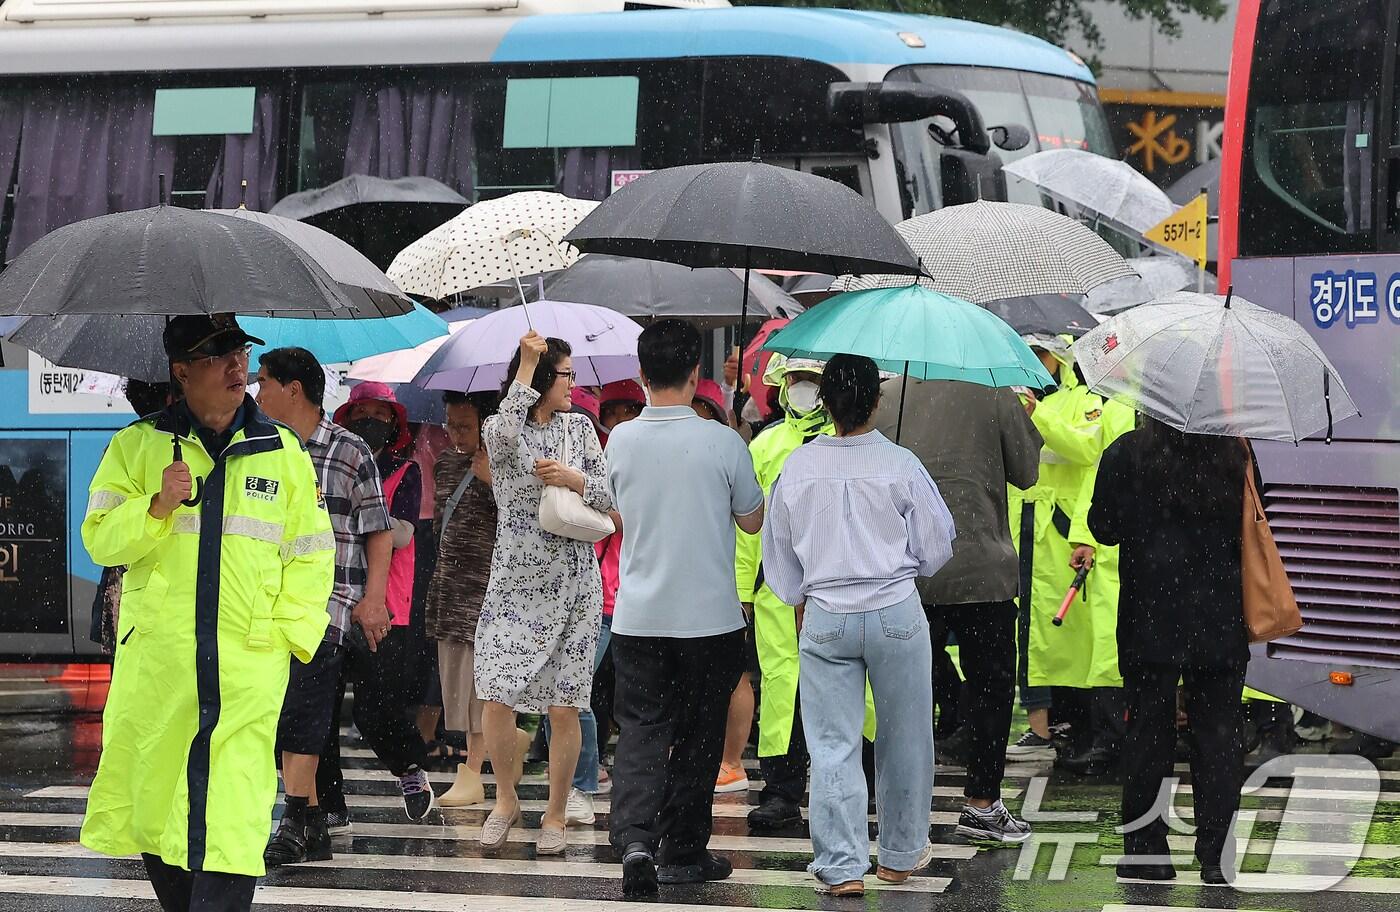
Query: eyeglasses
point(572, 375)
point(236, 356)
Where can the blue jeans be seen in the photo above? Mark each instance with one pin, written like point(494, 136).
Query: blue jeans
point(586, 772)
point(837, 652)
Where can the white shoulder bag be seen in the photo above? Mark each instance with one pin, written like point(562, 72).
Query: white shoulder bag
point(563, 512)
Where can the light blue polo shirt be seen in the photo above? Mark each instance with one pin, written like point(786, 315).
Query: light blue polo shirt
point(678, 480)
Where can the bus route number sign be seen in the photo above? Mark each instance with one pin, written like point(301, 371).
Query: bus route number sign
point(1184, 231)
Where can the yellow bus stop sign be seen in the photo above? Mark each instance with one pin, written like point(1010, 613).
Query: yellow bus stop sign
point(1184, 231)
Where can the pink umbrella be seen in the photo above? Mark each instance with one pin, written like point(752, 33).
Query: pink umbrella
point(604, 346)
point(403, 365)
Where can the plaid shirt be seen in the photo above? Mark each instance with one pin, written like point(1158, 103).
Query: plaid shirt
point(354, 497)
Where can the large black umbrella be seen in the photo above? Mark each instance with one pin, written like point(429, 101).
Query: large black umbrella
point(649, 289)
point(375, 215)
point(1055, 314)
point(167, 261)
point(745, 215)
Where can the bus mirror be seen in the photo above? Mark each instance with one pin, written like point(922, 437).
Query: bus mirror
point(855, 104)
point(1011, 137)
point(967, 177)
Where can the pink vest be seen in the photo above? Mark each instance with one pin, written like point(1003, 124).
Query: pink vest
point(398, 596)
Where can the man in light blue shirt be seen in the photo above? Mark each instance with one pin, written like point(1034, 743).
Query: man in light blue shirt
point(680, 484)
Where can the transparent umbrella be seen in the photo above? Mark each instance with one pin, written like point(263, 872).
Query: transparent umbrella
point(1207, 364)
point(1104, 189)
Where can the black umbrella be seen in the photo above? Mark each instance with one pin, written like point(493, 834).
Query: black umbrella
point(809, 289)
point(167, 261)
point(1054, 314)
point(745, 215)
point(648, 289)
point(377, 216)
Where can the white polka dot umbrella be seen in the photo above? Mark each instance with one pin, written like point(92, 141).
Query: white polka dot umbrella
point(493, 241)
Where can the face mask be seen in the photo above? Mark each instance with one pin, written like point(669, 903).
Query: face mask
point(804, 397)
point(374, 432)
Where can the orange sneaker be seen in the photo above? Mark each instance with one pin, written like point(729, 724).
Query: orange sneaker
point(731, 779)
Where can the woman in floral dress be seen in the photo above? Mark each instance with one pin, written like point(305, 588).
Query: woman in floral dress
point(543, 607)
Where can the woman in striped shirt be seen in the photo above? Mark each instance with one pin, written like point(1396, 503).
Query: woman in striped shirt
point(853, 520)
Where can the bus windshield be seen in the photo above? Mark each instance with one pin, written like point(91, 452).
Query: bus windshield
point(1060, 113)
point(1307, 171)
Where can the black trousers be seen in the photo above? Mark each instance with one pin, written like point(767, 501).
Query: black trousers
point(386, 687)
point(1217, 752)
point(671, 704)
point(785, 776)
point(179, 890)
point(986, 633)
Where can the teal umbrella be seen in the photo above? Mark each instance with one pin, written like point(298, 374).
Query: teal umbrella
point(917, 332)
point(337, 341)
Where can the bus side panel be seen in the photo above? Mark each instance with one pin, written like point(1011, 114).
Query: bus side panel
point(35, 615)
point(1335, 510)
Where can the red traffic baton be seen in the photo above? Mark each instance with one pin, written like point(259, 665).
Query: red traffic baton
point(1074, 589)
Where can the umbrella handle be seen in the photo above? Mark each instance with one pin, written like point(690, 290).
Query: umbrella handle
point(176, 456)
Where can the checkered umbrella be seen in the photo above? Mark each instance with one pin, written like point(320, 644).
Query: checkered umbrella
point(988, 251)
point(494, 241)
point(1207, 364)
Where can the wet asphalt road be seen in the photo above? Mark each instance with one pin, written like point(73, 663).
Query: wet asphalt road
point(50, 739)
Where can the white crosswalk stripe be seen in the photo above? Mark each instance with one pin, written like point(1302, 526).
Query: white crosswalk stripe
point(389, 863)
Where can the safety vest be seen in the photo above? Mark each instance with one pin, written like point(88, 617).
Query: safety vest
point(215, 599)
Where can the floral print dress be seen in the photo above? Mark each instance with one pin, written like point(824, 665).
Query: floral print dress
point(540, 619)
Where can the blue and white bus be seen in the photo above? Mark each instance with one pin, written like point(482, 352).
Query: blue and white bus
point(100, 97)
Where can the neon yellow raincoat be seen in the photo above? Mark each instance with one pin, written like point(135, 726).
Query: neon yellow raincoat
point(775, 623)
point(216, 598)
point(1077, 427)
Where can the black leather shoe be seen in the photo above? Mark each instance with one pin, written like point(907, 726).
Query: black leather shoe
point(318, 837)
point(774, 814)
point(638, 872)
point(289, 844)
point(1212, 874)
point(711, 867)
point(1096, 761)
point(1131, 871)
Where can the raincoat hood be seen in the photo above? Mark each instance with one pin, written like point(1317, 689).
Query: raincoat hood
point(1059, 346)
point(778, 369)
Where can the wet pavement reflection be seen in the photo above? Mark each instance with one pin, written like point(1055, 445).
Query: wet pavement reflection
point(50, 737)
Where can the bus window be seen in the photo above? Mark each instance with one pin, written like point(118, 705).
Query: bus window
point(10, 114)
point(1307, 182)
point(741, 107)
point(452, 128)
point(1060, 113)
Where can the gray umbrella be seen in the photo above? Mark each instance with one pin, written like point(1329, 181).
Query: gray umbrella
point(651, 288)
point(167, 261)
point(125, 344)
point(745, 215)
point(377, 216)
point(989, 251)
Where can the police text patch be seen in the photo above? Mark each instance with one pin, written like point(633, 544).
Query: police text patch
point(260, 488)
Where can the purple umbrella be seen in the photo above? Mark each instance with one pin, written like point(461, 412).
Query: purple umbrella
point(604, 343)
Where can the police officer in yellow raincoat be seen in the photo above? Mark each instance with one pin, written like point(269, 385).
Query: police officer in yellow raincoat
point(1077, 426)
point(782, 748)
point(230, 558)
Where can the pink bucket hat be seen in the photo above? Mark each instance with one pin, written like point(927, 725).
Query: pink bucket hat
point(374, 391)
point(710, 393)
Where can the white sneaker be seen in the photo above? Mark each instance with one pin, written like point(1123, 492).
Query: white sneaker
point(579, 810)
